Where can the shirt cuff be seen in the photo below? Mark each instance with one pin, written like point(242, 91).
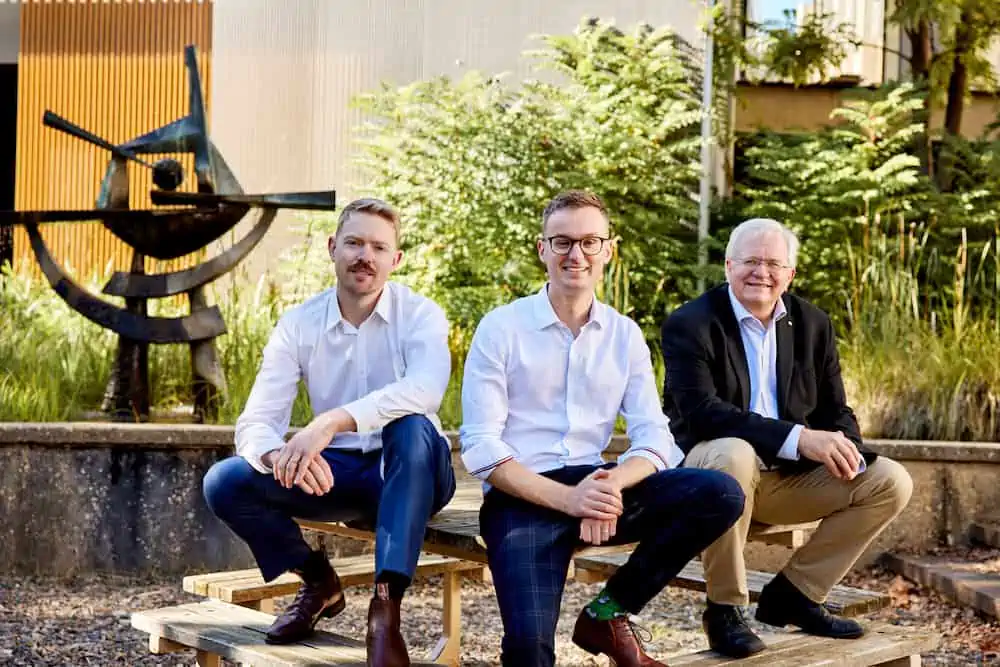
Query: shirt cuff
point(365, 414)
point(790, 449)
point(253, 454)
point(483, 458)
point(661, 460)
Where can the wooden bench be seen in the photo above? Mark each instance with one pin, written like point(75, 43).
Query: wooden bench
point(217, 630)
point(454, 531)
point(883, 645)
point(247, 588)
point(842, 600)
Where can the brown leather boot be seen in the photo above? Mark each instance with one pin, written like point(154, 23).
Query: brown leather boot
point(384, 641)
point(321, 596)
point(615, 639)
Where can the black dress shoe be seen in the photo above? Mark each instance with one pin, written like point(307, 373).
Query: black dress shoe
point(728, 632)
point(781, 604)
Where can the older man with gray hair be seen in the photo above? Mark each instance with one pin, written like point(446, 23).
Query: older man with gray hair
point(753, 388)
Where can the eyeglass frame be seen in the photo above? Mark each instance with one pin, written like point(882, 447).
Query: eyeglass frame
point(770, 264)
point(575, 242)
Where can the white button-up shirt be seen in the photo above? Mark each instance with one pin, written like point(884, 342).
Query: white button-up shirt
point(760, 345)
point(534, 393)
point(395, 364)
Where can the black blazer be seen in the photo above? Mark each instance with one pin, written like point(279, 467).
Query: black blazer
point(706, 391)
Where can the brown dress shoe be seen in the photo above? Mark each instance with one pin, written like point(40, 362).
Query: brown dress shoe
point(321, 596)
point(384, 641)
point(615, 638)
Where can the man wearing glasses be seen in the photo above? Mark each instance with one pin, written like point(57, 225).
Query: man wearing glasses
point(753, 388)
point(545, 379)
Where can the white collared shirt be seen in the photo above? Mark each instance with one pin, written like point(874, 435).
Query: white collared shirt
point(395, 364)
point(760, 345)
point(534, 393)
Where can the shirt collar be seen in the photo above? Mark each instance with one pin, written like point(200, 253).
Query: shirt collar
point(545, 315)
point(383, 308)
point(742, 313)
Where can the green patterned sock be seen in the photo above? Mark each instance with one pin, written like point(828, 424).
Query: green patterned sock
point(604, 607)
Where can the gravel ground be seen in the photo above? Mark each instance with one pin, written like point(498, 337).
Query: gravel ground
point(85, 621)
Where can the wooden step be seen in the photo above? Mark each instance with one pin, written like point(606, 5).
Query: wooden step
point(216, 630)
point(883, 644)
point(972, 584)
point(243, 586)
point(843, 600)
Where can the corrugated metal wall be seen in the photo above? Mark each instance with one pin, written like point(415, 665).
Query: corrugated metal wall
point(284, 73)
point(116, 69)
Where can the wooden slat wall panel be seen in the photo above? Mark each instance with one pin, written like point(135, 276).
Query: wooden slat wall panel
point(116, 69)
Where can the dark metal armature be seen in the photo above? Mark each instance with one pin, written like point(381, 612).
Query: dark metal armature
point(189, 222)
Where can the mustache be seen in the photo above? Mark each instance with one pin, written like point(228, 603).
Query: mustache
point(362, 265)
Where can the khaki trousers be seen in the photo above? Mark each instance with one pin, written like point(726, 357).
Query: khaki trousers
point(852, 513)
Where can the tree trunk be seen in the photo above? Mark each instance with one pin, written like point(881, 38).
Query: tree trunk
point(921, 49)
point(958, 85)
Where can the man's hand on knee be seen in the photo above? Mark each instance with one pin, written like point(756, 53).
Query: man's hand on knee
point(833, 450)
point(596, 531)
point(595, 497)
point(317, 479)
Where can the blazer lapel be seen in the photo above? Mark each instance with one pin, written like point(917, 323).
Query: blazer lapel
point(785, 333)
point(734, 346)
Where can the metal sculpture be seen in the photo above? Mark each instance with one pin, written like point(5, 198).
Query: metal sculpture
point(189, 221)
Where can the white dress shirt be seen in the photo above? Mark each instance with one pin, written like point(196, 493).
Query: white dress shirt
point(760, 345)
point(534, 393)
point(395, 364)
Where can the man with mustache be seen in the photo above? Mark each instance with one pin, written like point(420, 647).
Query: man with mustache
point(753, 389)
point(374, 357)
point(545, 379)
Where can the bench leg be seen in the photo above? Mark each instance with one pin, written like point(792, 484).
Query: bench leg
point(206, 659)
point(266, 606)
point(160, 645)
point(447, 650)
point(908, 661)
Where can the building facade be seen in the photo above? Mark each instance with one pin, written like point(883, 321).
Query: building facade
point(279, 78)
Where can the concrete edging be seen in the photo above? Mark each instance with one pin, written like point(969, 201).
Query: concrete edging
point(197, 436)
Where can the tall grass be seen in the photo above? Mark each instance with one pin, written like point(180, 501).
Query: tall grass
point(920, 343)
point(921, 358)
point(53, 363)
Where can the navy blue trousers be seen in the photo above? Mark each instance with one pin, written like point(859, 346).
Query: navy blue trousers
point(418, 481)
point(673, 515)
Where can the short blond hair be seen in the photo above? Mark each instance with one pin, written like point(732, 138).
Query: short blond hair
point(373, 206)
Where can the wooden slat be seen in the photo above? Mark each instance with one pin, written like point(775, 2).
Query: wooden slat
point(241, 586)
point(843, 600)
point(883, 643)
point(117, 69)
point(236, 633)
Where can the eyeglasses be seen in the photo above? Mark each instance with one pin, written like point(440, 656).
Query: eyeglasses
point(771, 265)
point(563, 245)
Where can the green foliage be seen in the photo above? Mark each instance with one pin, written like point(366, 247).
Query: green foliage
point(825, 185)
point(801, 49)
point(473, 162)
point(54, 363)
point(916, 359)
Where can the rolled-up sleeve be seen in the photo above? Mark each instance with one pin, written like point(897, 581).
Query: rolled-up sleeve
point(648, 428)
point(484, 401)
point(424, 342)
point(264, 421)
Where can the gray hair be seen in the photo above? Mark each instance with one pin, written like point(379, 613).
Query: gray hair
point(755, 226)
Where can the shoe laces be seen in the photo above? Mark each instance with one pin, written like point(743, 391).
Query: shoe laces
point(642, 634)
